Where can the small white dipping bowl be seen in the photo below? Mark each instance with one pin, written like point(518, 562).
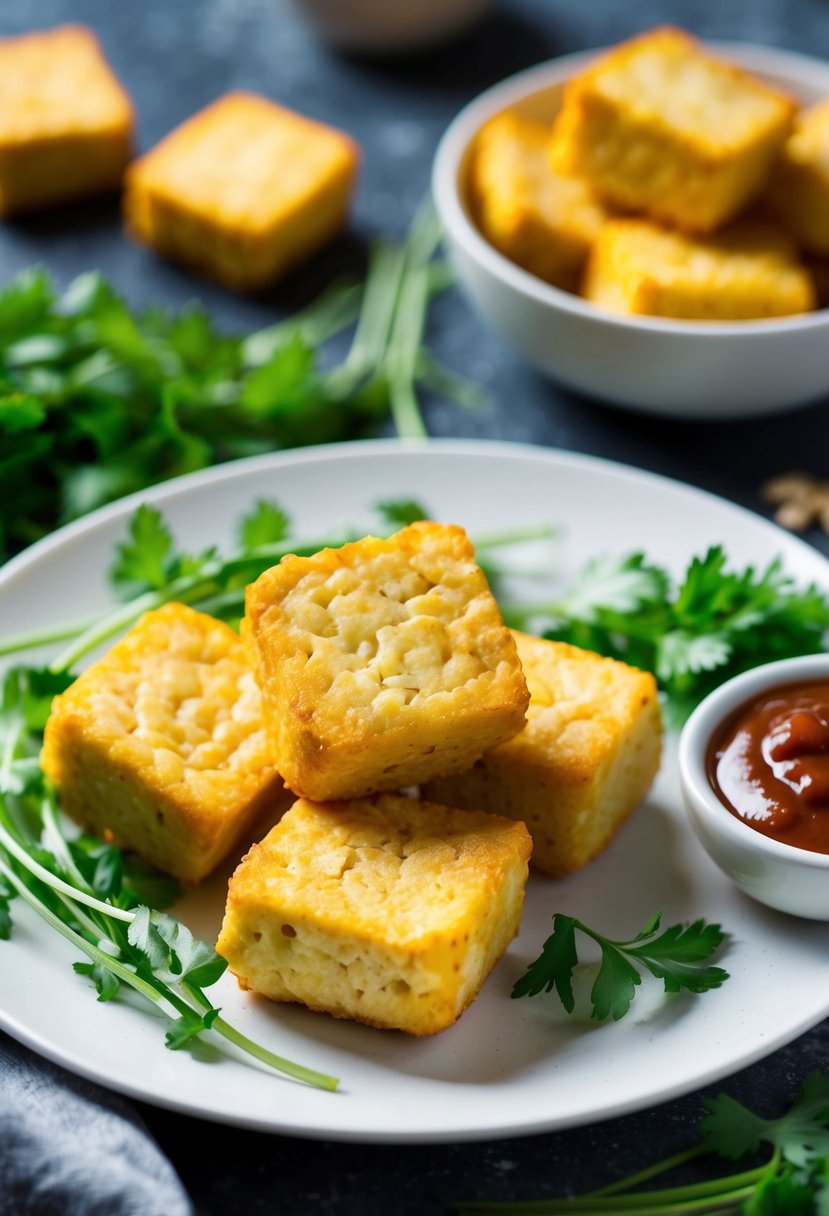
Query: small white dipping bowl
point(780, 875)
point(687, 369)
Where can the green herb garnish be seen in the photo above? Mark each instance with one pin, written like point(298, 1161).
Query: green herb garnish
point(794, 1181)
point(677, 955)
point(97, 401)
point(694, 636)
point(92, 895)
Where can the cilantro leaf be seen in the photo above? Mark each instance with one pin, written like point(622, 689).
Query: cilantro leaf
point(677, 956)
point(623, 585)
point(266, 524)
point(141, 561)
point(714, 624)
point(400, 512)
point(169, 949)
point(801, 1135)
point(186, 1028)
point(106, 984)
point(554, 968)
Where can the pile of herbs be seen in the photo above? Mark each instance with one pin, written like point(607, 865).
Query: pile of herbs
point(98, 401)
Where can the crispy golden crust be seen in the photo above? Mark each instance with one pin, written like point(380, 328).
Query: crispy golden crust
point(659, 125)
point(540, 219)
point(161, 744)
point(66, 123)
point(585, 759)
point(798, 188)
point(243, 190)
point(746, 271)
point(382, 663)
point(387, 911)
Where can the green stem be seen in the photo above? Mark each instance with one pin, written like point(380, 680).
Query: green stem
point(513, 536)
point(45, 637)
point(299, 1072)
point(651, 1171)
point(404, 343)
point(57, 884)
point(91, 951)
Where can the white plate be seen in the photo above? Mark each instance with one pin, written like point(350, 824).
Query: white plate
point(507, 1067)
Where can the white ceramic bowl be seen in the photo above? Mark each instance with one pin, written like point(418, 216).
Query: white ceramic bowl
point(691, 369)
point(780, 875)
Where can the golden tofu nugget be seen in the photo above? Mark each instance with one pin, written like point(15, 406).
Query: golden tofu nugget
point(542, 220)
point(382, 663)
point(745, 272)
point(799, 183)
point(585, 759)
point(66, 123)
point(659, 125)
point(388, 911)
point(160, 744)
point(243, 191)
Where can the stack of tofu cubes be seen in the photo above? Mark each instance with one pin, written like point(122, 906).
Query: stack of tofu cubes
point(361, 672)
point(671, 183)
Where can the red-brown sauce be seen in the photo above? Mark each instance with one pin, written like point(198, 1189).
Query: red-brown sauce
point(769, 764)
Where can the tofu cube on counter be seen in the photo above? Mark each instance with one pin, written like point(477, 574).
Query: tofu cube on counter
point(243, 191)
point(66, 123)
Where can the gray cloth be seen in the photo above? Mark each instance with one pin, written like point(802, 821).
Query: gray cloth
point(70, 1148)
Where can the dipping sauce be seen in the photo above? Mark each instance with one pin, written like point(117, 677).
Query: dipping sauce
point(769, 764)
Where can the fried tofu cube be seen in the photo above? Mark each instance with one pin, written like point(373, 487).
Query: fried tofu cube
point(66, 123)
point(540, 219)
point(243, 191)
point(747, 271)
point(387, 911)
point(584, 761)
point(659, 125)
point(798, 189)
point(382, 663)
point(160, 744)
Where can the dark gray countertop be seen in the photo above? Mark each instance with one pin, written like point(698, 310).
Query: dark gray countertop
point(174, 57)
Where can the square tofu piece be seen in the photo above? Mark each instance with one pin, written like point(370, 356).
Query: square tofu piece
point(243, 191)
point(538, 218)
point(586, 757)
point(161, 744)
point(65, 122)
point(659, 125)
point(799, 182)
point(382, 663)
point(388, 911)
point(747, 271)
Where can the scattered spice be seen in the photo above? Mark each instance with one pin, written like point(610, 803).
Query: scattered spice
point(801, 501)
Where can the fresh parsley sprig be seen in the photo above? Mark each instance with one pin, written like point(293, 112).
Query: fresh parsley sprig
point(96, 898)
point(98, 401)
point(677, 955)
point(793, 1181)
point(714, 624)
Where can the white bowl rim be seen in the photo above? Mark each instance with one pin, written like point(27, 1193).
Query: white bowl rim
point(693, 746)
point(788, 67)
